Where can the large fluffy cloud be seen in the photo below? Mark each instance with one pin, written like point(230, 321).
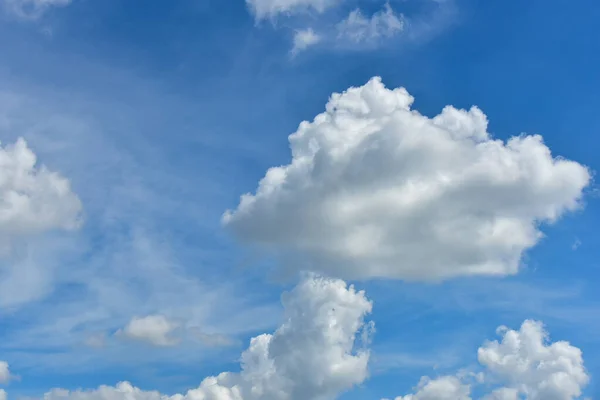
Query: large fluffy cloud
point(314, 354)
point(33, 199)
point(271, 8)
point(523, 365)
point(375, 189)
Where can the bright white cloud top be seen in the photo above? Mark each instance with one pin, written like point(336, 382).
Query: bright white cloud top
point(525, 362)
point(375, 189)
point(314, 354)
point(33, 199)
point(271, 8)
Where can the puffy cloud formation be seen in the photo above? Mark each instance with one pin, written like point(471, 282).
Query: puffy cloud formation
point(4, 372)
point(3, 395)
point(532, 367)
point(375, 189)
point(32, 9)
point(359, 29)
point(524, 363)
point(444, 388)
point(271, 8)
point(312, 355)
point(303, 39)
point(33, 199)
point(153, 329)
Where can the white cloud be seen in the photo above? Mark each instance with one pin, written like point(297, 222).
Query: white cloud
point(523, 364)
point(303, 39)
point(444, 388)
point(32, 9)
point(375, 189)
point(312, 355)
point(34, 203)
point(360, 29)
point(3, 395)
point(536, 369)
point(33, 199)
point(153, 329)
point(5, 375)
point(270, 8)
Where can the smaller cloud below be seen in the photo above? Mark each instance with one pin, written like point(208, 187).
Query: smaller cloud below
point(303, 39)
point(316, 353)
point(154, 329)
point(262, 9)
point(522, 365)
point(31, 9)
point(360, 29)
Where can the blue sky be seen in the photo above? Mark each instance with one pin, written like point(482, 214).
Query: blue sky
point(161, 114)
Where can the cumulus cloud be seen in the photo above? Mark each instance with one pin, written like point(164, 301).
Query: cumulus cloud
point(32, 9)
point(5, 375)
point(153, 329)
point(3, 395)
point(375, 189)
point(357, 28)
point(524, 365)
point(444, 388)
point(33, 199)
point(270, 8)
point(533, 367)
point(314, 354)
point(303, 39)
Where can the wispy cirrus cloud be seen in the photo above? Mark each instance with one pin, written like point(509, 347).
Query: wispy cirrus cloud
point(303, 39)
point(272, 8)
point(360, 29)
point(31, 9)
point(130, 257)
point(332, 24)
